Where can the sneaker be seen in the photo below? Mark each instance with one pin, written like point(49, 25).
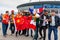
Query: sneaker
point(4, 35)
point(40, 37)
point(26, 35)
point(31, 35)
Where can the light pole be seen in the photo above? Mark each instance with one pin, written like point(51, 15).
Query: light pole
point(39, 0)
point(30, 0)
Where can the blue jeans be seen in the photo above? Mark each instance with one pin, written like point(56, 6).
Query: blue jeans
point(4, 28)
point(36, 31)
point(54, 29)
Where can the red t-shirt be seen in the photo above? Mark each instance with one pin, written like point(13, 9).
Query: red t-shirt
point(5, 19)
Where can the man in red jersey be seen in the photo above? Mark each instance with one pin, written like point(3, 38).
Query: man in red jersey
point(5, 22)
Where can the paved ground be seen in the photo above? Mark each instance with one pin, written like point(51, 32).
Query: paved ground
point(13, 37)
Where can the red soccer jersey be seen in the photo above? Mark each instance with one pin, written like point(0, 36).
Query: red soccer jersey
point(5, 19)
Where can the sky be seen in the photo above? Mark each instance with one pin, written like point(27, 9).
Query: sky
point(12, 4)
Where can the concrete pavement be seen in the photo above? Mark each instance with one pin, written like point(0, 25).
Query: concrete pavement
point(13, 37)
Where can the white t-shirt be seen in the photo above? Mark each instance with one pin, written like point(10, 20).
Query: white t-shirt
point(44, 23)
point(53, 21)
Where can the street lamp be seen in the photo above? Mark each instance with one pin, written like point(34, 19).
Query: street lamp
point(30, 0)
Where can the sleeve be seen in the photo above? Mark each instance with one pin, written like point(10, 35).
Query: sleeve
point(41, 18)
point(58, 21)
point(37, 15)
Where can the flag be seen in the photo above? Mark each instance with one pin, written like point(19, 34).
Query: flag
point(31, 10)
point(33, 25)
point(40, 10)
point(26, 23)
point(19, 21)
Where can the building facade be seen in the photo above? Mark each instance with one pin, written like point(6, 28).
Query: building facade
point(48, 5)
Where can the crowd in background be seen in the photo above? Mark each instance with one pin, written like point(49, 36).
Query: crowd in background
point(36, 22)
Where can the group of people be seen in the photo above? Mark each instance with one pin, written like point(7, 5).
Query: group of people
point(52, 22)
point(36, 22)
point(21, 22)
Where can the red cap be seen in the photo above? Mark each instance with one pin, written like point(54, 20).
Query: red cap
point(12, 10)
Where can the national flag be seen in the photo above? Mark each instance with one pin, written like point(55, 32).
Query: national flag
point(40, 10)
point(26, 23)
point(33, 25)
point(31, 10)
point(19, 21)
